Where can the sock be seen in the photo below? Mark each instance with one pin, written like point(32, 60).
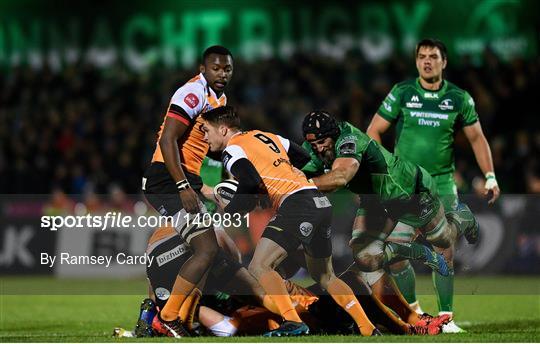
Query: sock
point(274, 286)
point(381, 315)
point(269, 304)
point(394, 252)
point(187, 310)
point(181, 289)
point(444, 287)
point(406, 282)
point(388, 293)
point(344, 296)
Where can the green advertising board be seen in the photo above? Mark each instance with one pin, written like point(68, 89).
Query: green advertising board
point(173, 33)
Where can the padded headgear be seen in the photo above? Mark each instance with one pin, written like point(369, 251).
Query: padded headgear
point(319, 124)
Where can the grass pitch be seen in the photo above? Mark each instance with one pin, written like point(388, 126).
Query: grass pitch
point(491, 309)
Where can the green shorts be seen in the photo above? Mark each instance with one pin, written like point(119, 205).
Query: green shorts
point(447, 190)
point(417, 211)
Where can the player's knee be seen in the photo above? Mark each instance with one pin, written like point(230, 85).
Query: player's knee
point(323, 278)
point(257, 270)
point(369, 257)
point(367, 262)
point(442, 234)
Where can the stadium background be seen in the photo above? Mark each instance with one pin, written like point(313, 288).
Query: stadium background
point(83, 91)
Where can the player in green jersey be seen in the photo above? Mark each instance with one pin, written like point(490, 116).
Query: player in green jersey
point(395, 190)
point(427, 112)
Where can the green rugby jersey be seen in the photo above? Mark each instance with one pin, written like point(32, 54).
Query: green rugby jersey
point(426, 122)
point(380, 172)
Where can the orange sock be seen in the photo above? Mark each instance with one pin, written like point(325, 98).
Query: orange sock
point(388, 293)
point(181, 289)
point(187, 310)
point(269, 304)
point(344, 296)
point(274, 286)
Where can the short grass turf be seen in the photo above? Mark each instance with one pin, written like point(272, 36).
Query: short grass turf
point(491, 309)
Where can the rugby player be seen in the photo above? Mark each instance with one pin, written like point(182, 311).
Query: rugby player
point(263, 163)
point(427, 112)
point(397, 191)
point(171, 184)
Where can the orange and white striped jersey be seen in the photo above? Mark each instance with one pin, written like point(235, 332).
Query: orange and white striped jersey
point(268, 154)
point(193, 98)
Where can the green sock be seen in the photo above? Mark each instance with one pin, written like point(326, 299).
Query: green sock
point(406, 282)
point(395, 252)
point(444, 287)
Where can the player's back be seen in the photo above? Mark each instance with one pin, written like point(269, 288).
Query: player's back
point(268, 154)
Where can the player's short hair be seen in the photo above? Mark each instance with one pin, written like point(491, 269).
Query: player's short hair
point(216, 49)
point(223, 115)
point(432, 43)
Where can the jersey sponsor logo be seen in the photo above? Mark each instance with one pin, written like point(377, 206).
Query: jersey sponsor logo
point(414, 103)
point(172, 254)
point(434, 115)
point(429, 123)
point(446, 105)
point(347, 147)
point(322, 202)
point(471, 102)
point(391, 97)
point(306, 228)
point(387, 106)
point(430, 95)
point(225, 157)
point(191, 100)
point(162, 293)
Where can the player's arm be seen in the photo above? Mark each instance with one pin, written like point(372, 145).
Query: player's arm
point(343, 171)
point(173, 130)
point(482, 152)
point(208, 193)
point(249, 182)
point(378, 126)
point(297, 155)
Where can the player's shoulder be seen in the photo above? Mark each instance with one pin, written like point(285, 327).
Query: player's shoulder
point(196, 85)
point(347, 129)
point(405, 84)
point(455, 89)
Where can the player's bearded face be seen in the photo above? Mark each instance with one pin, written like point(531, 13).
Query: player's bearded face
point(217, 70)
point(430, 63)
point(325, 149)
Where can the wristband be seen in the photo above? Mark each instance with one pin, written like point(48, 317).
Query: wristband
point(490, 175)
point(182, 185)
point(491, 181)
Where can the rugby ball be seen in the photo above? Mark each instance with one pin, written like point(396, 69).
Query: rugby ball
point(225, 191)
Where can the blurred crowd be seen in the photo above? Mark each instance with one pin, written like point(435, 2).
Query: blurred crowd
point(83, 129)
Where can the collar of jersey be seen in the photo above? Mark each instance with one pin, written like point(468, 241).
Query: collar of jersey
point(440, 90)
point(209, 89)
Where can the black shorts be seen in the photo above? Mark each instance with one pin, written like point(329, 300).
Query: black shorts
point(303, 218)
point(170, 255)
point(160, 190)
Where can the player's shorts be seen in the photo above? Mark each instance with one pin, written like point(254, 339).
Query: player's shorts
point(303, 218)
point(169, 254)
point(161, 192)
point(421, 208)
point(447, 190)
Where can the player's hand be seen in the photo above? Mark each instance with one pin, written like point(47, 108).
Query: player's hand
point(190, 201)
point(491, 186)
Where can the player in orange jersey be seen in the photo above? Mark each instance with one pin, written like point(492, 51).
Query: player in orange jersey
point(172, 183)
point(264, 163)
